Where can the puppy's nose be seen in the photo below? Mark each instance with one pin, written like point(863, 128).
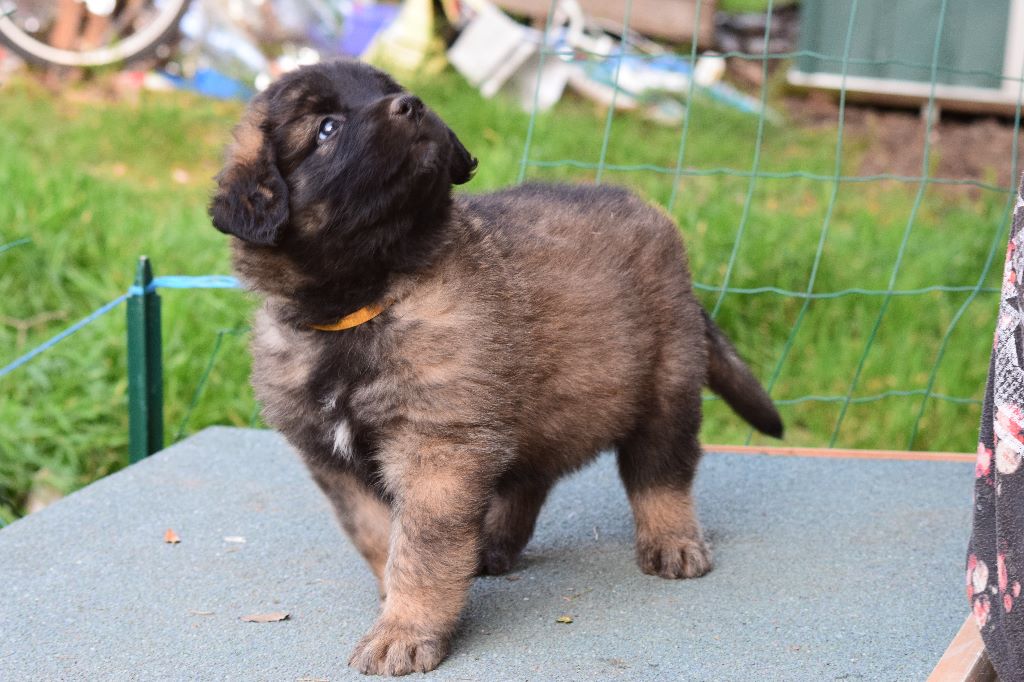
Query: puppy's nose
point(406, 106)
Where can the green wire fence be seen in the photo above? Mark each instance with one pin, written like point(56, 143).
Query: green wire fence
point(838, 179)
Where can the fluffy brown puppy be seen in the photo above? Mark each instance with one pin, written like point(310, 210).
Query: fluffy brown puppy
point(440, 361)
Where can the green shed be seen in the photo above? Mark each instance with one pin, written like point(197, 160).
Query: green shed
point(980, 51)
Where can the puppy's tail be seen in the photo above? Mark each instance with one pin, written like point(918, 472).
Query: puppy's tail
point(729, 377)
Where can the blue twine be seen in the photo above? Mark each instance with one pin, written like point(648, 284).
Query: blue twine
point(166, 282)
point(187, 282)
point(63, 335)
point(16, 242)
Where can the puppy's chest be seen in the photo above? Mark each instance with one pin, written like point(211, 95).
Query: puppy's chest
point(344, 396)
point(315, 390)
point(352, 404)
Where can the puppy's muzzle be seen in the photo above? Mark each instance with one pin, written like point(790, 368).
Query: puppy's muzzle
point(406, 107)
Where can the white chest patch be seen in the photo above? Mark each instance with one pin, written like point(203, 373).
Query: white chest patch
point(343, 439)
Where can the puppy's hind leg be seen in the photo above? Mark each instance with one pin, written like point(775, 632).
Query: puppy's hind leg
point(365, 518)
point(657, 464)
point(509, 523)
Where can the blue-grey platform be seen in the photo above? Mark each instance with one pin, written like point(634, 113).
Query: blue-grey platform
point(825, 569)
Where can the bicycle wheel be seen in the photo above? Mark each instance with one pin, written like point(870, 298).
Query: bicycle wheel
point(88, 32)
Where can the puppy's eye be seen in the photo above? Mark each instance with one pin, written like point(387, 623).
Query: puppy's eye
point(327, 128)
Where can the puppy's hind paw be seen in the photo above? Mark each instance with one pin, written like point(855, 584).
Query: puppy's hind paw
point(390, 649)
point(674, 558)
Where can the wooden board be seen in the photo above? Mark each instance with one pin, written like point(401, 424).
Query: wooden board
point(965, 659)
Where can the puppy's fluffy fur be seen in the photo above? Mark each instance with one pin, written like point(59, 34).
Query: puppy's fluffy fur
point(527, 330)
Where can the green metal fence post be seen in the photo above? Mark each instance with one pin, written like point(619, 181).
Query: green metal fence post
point(145, 368)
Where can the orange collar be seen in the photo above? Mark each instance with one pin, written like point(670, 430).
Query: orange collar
point(364, 314)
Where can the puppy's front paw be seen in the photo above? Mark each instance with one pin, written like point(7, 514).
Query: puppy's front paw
point(394, 649)
point(674, 557)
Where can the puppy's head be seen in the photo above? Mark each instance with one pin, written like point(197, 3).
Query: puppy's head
point(336, 155)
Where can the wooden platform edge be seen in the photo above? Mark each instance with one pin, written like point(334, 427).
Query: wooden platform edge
point(965, 659)
point(837, 453)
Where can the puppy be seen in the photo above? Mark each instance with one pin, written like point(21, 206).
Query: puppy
point(439, 362)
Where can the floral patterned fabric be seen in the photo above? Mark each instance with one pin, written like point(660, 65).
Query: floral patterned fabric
point(995, 557)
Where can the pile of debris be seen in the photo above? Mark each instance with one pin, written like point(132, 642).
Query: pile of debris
point(614, 67)
point(232, 49)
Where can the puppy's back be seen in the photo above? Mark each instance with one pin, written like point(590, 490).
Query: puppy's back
point(603, 235)
point(601, 245)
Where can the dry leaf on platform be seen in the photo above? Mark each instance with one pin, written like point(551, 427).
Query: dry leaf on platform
point(171, 538)
point(564, 619)
point(265, 617)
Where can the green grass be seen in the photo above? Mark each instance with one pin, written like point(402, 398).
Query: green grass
point(95, 183)
point(743, 6)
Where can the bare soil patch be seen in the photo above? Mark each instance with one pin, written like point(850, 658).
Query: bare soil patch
point(963, 147)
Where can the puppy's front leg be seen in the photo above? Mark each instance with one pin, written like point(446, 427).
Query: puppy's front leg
point(364, 517)
point(440, 494)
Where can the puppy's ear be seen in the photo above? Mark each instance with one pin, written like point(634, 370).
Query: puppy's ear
point(251, 202)
point(463, 164)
